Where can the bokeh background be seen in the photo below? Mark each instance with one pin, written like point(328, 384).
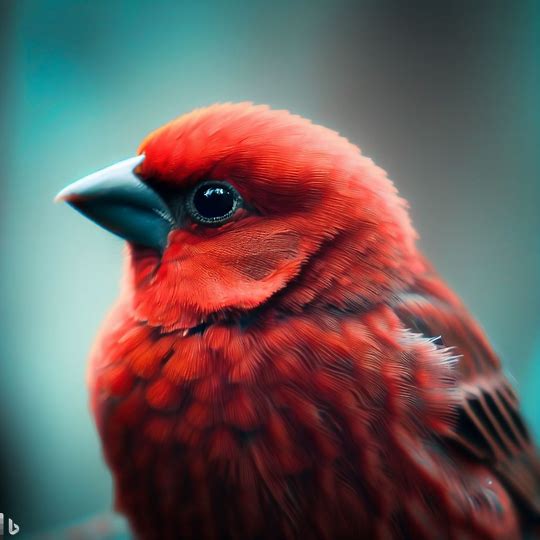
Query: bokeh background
point(443, 95)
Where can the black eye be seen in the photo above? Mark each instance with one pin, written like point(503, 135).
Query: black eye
point(213, 203)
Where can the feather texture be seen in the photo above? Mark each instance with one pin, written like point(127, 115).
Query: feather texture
point(300, 371)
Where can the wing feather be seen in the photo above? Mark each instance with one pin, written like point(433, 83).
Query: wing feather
point(489, 425)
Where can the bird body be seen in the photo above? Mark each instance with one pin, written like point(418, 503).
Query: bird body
point(283, 362)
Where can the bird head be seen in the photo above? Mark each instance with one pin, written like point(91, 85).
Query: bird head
point(235, 207)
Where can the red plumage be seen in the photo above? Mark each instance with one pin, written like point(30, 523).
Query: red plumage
point(300, 371)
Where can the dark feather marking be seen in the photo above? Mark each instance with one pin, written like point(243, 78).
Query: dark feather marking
point(486, 423)
point(501, 418)
point(517, 421)
point(472, 437)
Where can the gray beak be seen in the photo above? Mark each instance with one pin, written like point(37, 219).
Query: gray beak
point(117, 200)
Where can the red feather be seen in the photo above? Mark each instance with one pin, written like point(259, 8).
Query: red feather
point(300, 372)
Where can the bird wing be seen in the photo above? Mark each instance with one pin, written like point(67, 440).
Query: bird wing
point(489, 426)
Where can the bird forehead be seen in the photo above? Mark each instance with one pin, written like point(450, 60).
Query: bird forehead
point(238, 140)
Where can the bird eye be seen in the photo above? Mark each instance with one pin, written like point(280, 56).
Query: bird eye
point(213, 203)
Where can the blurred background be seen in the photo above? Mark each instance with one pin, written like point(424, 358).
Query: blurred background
point(443, 95)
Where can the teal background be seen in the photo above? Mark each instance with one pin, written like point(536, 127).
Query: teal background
point(445, 97)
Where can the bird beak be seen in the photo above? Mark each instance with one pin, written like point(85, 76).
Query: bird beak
point(117, 200)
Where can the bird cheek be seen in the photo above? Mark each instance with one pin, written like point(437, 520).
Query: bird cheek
point(180, 245)
point(197, 278)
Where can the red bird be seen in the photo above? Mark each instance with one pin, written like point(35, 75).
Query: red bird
point(283, 363)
